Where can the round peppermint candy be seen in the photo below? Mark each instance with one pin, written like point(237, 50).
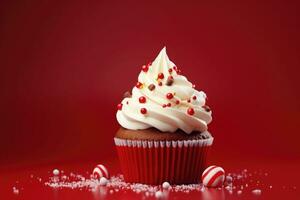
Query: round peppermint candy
point(213, 176)
point(100, 171)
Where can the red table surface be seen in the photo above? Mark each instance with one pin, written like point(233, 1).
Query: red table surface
point(281, 175)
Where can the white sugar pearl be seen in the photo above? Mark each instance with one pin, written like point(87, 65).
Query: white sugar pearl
point(166, 185)
point(55, 172)
point(256, 191)
point(15, 190)
point(228, 179)
point(103, 181)
point(158, 194)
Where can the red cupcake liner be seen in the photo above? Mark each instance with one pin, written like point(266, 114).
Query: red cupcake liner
point(154, 162)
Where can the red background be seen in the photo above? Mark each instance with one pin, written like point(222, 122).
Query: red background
point(65, 66)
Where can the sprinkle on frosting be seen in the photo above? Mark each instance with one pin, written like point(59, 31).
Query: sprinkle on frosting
point(151, 87)
point(190, 111)
point(139, 85)
point(142, 99)
point(175, 92)
point(145, 68)
point(170, 81)
point(206, 107)
point(169, 96)
point(160, 76)
point(143, 110)
point(120, 106)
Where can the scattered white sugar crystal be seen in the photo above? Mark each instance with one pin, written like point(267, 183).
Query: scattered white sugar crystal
point(117, 183)
point(256, 191)
point(270, 186)
point(15, 190)
point(228, 188)
point(202, 189)
point(103, 181)
point(138, 191)
point(55, 172)
point(31, 175)
point(229, 184)
point(159, 195)
point(64, 177)
point(166, 185)
point(228, 179)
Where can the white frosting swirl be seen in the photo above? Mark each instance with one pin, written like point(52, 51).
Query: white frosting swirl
point(158, 115)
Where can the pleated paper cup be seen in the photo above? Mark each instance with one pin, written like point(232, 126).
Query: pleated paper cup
point(154, 162)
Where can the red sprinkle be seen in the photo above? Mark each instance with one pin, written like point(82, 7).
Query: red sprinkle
point(177, 101)
point(169, 104)
point(142, 99)
point(164, 105)
point(191, 111)
point(160, 83)
point(175, 68)
point(119, 106)
point(143, 111)
point(160, 76)
point(145, 68)
point(194, 97)
point(139, 85)
point(127, 102)
point(189, 101)
point(170, 70)
point(169, 96)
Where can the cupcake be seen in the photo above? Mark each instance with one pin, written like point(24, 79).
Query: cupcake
point(163, 127)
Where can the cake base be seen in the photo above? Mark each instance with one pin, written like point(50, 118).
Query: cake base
point(156, 159)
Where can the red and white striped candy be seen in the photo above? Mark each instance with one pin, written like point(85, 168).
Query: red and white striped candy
point(100, 171)
point(213, 176)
